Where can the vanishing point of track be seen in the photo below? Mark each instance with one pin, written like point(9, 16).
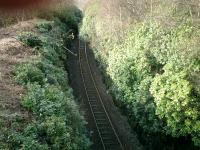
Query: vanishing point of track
point(106, 131)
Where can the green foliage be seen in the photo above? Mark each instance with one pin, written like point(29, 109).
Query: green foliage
point(44, 101)
point(66, 18)
point(44, 27)
point(153, 69)
point(59, 122)
point(42, 72)
point(30, 38)
point(131, 70)
point(56, 122)
point(176, 103)
point(53, 74)
point(149, 49)
point(29, 73)
point(88, 25)
point(71, 16)
point(19, 141)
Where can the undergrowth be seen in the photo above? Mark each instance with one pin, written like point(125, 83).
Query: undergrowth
point(56, 122)
point(151, 66)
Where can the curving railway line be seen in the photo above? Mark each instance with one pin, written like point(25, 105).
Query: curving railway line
point(106, 131)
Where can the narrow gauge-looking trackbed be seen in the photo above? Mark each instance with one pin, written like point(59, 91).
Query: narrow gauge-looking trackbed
point(105, 128)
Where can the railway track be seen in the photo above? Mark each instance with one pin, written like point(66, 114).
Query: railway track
point(106, 131)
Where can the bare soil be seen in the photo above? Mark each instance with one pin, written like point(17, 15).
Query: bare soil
point(12, 53)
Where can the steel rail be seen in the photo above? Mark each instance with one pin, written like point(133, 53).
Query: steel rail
point(107, 117)
point(88, 96)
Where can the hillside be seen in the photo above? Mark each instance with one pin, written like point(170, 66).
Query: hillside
point(12, 53)
point(100, 74)
point(38, 109)
point(149, 54)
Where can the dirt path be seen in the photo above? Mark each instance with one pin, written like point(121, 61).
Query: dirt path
point(128, 139)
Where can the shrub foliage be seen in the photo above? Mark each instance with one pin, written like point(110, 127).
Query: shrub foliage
point(56, 122)
point(151, 67)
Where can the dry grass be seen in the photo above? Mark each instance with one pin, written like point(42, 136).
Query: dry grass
point(12, 52)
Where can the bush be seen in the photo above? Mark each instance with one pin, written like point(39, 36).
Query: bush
point(56, 121)
point(29, 73)
point(60, 124)
point(54, 75)
point(150, 50)
point(19, 141)
point(130, 69)
point(177, 103)
point(30, 39)
point(150, 64)
point(72, 17)
point(44, 101)
point(44, 27)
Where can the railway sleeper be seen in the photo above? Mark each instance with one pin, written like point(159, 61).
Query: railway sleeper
point(109, 138)
point(92, 96)
point(99, 114)
point(111, 144)
point(106, 131)
point(102, 123)
point(95, 104)
point(101, 119)
point(96, 107)
point(89, 84)
point(85, 71)
point(93, 101)
point(113, 147)
point(91, 92)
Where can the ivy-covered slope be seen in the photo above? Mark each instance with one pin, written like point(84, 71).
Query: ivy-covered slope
point(151, 64)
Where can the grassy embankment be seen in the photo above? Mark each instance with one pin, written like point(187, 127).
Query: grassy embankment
point(55, 122)
point(149, 53)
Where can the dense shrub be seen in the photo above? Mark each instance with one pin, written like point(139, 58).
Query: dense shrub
point(55, 121)
point(44, 27)
point(53, 74)
point(29, 73)
point(130, 68)
point(72, 17)
point(30, 39)
point(152, 66)
point(59, 122)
